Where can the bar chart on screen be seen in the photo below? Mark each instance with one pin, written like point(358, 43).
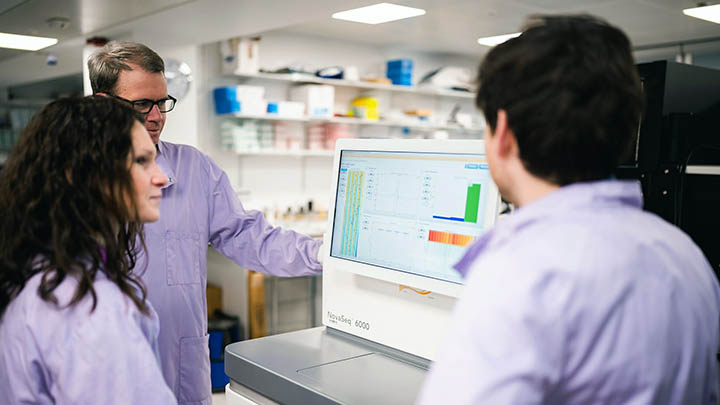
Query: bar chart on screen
point(442, 195)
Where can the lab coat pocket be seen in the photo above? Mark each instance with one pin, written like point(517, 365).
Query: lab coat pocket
point(183, 258)
point(194, 369)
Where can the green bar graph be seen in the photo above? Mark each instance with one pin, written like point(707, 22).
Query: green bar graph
point(472, 203)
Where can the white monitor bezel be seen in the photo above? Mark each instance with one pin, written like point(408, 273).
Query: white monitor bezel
point(459, 146)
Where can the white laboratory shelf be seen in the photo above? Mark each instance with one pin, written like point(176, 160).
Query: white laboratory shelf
point(265, 117)
point(303, 78)
point(415, 125)
point(418, 125)
point(289, 153)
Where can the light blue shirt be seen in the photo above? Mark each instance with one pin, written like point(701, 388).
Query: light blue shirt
point(582, 298)
point(51, 355)
point(199, 207)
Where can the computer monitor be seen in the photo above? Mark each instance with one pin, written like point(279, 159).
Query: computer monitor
point(404, 211)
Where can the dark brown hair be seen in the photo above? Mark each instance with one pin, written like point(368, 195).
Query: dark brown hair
point(66, 200)
point(107, 62)
point(571, 92)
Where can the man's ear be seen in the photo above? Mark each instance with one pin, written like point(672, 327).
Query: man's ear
point(505, 137)
point(101, 94)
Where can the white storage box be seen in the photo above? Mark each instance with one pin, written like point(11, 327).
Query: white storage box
point(319, 99)
point(249, 93)
point(290, 109)
point(252, 99)
point(253, 107)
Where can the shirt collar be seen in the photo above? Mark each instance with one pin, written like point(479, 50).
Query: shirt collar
point(595, 194)
point(164, 164)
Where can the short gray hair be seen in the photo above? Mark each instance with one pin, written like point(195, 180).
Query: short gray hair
point(106, 63)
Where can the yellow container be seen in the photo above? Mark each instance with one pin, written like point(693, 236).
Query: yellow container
point(365, 108)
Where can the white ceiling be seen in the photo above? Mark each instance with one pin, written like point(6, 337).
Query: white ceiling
point(453, 26)
point(450, 26)
point(163, 24)
point(30, 17)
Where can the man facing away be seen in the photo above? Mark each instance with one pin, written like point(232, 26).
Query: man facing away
point(579, 296)
point(198, 207)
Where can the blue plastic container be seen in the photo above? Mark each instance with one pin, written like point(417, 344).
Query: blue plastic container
point(217, 339)
point(218, 378)
point(399, 71)
point(401, 79)
point(226, 101)
point(223, 330)
point(399, 66)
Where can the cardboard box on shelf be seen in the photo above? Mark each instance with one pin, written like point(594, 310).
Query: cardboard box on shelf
point(256, 305)
point(214, 299)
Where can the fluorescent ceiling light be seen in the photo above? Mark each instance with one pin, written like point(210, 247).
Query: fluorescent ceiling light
point(378, 13)
point(497, 39)
point(707, 13)
point(25, 42)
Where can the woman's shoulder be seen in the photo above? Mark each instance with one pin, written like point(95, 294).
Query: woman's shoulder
point(30, 296)
point(83, 335)
point(47, 320)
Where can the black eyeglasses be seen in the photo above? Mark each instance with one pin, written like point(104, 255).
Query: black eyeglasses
point(145, 105)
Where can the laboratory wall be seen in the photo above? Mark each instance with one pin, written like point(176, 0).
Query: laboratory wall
point(183, 124)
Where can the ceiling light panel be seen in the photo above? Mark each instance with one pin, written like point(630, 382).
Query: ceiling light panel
point(378, 13)
point(25, 42)
point(497, 39)
point(707, 13)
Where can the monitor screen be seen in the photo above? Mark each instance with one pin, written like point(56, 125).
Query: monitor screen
point(409, 211)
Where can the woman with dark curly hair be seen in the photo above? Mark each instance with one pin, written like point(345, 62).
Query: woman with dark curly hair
point(75, 326)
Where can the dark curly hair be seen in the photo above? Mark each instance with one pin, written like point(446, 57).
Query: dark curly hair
point(66, 201)
point(571, 92)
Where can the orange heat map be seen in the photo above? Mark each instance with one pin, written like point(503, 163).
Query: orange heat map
point(450, 238)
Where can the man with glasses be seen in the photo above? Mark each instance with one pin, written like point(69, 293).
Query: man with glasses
point(198, 207)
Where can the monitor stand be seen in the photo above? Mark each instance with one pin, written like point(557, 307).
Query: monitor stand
point(321, 366)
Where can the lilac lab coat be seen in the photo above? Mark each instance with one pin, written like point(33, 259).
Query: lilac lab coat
point(51, 355)
point(199, 207)
point(582, 298)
